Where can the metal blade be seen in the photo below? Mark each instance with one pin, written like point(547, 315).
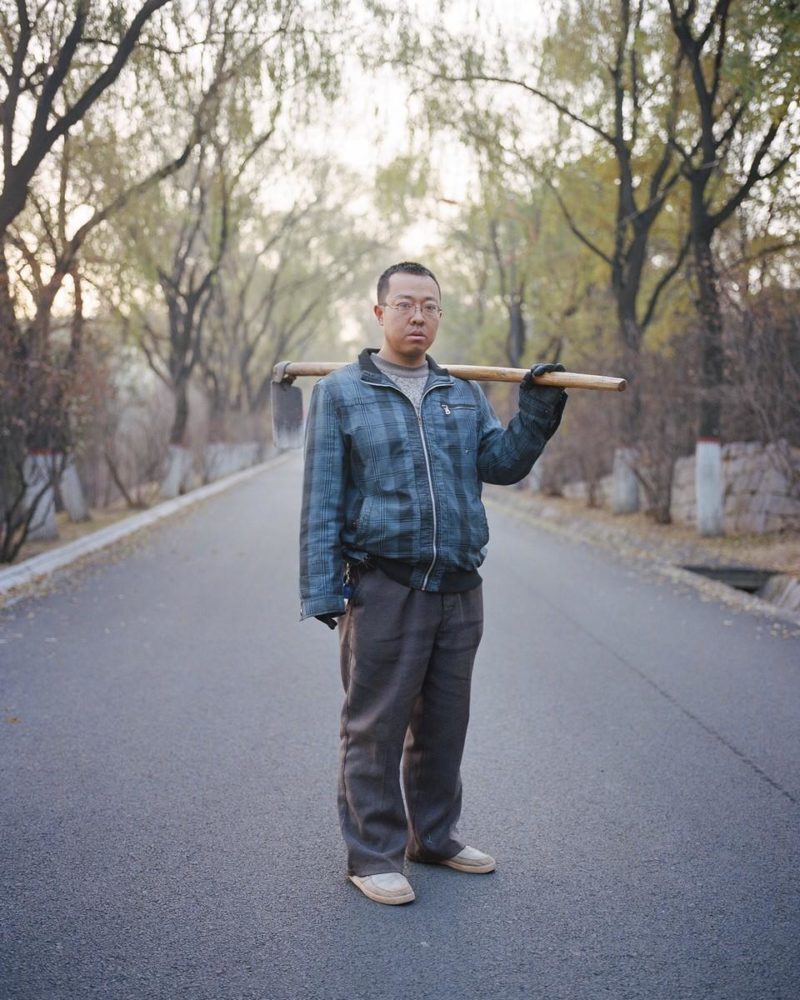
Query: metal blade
point(287, 415)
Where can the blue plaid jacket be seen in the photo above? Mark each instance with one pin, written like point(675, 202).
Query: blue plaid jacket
point(380, 481)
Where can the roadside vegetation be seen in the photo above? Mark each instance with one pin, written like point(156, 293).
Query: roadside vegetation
point(613, 185)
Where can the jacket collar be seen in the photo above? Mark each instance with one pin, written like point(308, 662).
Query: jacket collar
point(371, 373)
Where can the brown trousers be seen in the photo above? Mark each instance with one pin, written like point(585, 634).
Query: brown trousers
point(406, 659)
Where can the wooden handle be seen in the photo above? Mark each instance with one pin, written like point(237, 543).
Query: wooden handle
point(564, 380)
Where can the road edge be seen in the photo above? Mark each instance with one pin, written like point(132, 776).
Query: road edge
point(18, 582)
point(707, 588)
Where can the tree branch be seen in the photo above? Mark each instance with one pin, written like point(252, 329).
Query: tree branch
point(41, 139)
point(663, 281)
point(753, 176)
point(572, 225)
point(553, 102)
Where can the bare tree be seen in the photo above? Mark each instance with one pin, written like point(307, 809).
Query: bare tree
point(731, 96)
point(192, 224)
point(667, 396)
point(762, 357)
point(60, 61)
point(634, 121)
point(274, 299)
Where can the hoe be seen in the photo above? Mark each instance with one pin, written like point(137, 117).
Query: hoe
point(287, 399)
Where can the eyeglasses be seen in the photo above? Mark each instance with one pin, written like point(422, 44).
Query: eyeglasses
point(429, 310)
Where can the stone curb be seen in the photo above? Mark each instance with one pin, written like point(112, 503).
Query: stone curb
point(17, 580)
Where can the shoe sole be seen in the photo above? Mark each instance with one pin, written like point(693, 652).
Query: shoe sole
point(461, 866)
point(377, 897)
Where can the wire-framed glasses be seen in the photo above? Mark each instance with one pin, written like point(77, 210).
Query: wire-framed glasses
point(430, 310)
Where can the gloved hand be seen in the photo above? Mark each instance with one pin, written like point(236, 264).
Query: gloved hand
point(547, 393)
point(330, 620)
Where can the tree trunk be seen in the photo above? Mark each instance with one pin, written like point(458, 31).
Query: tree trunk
point(711, 370)
point(625, 491)
point(515, 345)
point(631, 348)
point(708, 456)
point(8, 323)
point(181, 418)
point(624, 484)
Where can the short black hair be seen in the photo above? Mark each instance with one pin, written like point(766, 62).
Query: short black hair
point(406, 267)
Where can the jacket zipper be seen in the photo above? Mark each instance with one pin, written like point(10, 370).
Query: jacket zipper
point(430, 486)
point(427, 470)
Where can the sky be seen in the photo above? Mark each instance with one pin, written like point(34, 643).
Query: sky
point(370, 126)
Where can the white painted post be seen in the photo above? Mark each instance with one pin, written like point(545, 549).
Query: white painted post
point(214, 461)
point(73, 496)
point(179, 468)
point(709, 487)
point(625, 485)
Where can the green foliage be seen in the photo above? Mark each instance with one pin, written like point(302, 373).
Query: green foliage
point(204, 86)
point(401, 186)
point(285, 290)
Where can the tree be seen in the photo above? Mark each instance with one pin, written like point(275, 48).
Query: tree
point(284, 292)
point(741, 60)
point(687, 109)
point(47, 48)
point(196, 240)
point(608, 74)
point(611, 85)
point(54, 75)
point(193, 223)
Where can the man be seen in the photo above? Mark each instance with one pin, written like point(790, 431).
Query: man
point(393, 532)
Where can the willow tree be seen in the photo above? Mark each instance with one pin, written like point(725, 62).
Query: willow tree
point(287, 285)
point(603, 75)
point(282, 58)
point(61, 65)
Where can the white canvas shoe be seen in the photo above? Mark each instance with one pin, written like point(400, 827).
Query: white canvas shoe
point(471, 860)
point(387, 887)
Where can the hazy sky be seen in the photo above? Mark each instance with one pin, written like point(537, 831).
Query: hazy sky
point(370, 125)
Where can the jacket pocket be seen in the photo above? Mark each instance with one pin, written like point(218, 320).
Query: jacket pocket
point(457, 425)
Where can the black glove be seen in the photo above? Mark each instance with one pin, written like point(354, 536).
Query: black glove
point(330, 620)
point(547, 393)
point(543, 369)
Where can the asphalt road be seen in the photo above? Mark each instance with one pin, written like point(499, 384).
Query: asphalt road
point(168, 749)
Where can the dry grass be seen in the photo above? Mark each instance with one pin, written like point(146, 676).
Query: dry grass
point(69, 531)
point(779, 552)
point(671, 543)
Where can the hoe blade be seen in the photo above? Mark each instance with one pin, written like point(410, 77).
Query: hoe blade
point(287, 416)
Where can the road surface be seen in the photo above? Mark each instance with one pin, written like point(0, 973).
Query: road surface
point(168, 751)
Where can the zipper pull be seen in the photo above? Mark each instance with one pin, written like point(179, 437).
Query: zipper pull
point(446, 409)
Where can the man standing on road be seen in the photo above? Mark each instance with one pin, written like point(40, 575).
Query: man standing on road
point(393, 532)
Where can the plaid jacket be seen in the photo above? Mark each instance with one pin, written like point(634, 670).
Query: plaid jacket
point(381, 481)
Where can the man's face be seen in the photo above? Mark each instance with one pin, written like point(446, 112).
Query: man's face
point(407, 336)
